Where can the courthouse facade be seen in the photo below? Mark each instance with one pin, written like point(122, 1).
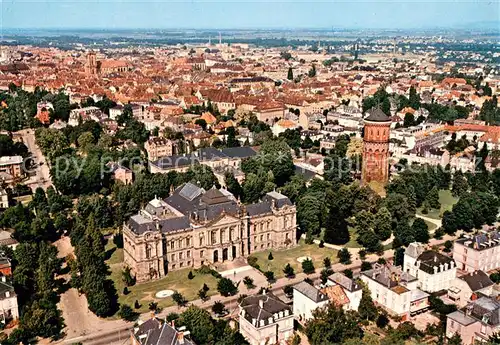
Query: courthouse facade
point(194, 227)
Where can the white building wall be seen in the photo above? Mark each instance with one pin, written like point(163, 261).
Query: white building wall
point(396, 303)
point(436, 282)
point(354, 299)
point(303, 306)
point(10, 303)
point(281, 329)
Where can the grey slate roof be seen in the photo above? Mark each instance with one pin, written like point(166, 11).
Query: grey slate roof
point(482, 241)
point(377, 115)
point(271, 306)
point(430, 259)
point(308, 174)
point(258, 208)
point(205, 205)
point(384, 277)
point(264, 206)
point(209, 153)
point(4, 288)
point(486, 309)
point(239, 152)
point(194, 203)
point(414, 250)
point(175, 161)
point(477, 280)
point(310, 292)
point(139, 224)
point(158, 332)
point(461, 318)
point(346, 282)
point(279, 199)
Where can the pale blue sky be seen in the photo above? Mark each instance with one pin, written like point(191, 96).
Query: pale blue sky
point(114, 14)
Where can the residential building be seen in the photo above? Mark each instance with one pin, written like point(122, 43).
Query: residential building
point(237, 154)
point(251, 82)
point(306, 299)
point(269, 111)
point(4, 198)
point(479, 320)
point(43, 111)
point(5, 266)
point(228, 158)
point(115, 111)
point(478, 252)
point(137, 111)
point(194, 227)
point(7, 240)
point(9, 309)
point(12, 165)
point(265, 319)
point(159, 332)
point(434, 271)
point(221, 98)
point(80, 115)
point(468, 287)
point(396, 291)
point(159, 147)
point(282, 125)
point(351, 289)
point(121, 173)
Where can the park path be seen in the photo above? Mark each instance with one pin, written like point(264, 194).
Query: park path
point(437, 222)
point(79, 320)
point(115, 332)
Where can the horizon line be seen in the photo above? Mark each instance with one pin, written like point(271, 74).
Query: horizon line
point(297, 28)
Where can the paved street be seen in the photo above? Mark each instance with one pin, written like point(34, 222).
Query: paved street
point(41, 178)
point(115, 332)
point(112, 332)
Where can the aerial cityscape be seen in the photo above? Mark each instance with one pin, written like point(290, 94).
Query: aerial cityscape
point(249, 173)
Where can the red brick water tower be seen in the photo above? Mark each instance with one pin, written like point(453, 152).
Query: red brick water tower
point(376, 147)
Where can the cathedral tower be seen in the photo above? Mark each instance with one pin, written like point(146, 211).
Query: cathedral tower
point(91, 64)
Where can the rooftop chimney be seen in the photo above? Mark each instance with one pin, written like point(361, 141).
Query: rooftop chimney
point(261, 304)
point(180, 337)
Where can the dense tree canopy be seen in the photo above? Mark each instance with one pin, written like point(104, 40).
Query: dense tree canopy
point(332, 325)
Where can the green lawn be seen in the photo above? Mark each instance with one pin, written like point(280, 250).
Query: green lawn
point(145, 292)
point(282, 257)
point(113, 255)
point(447, 201)
point(353, 239)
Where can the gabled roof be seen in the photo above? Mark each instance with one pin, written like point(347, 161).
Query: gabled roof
point(159, 332)
point(336, 294)
point(477, 280)
point(346, 282)
point(310, 292)
point(263, 307)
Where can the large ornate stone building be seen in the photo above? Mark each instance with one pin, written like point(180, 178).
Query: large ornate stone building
point(376, 147)
point(194, 227)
